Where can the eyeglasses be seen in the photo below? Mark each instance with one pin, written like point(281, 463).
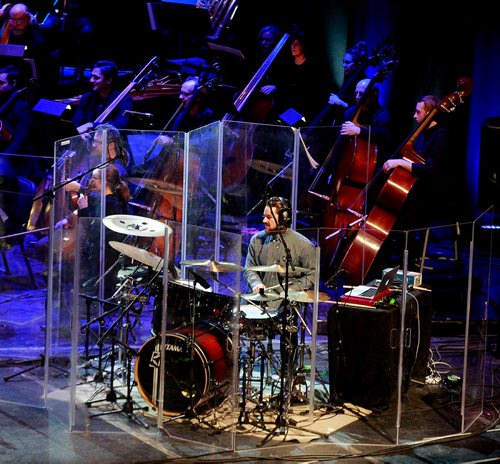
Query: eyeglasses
point(18, 21)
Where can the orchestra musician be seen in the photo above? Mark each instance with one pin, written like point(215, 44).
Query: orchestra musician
point(104, 92)
point(430, 198)
point(354, 62)
point(89, 205)
point(302, 80)
point(164, 161)
point(17, 124)
point(22, 28)
point(373, 122)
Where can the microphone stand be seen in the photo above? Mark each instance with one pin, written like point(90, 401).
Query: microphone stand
point(50, 193)
point(282, 422)
point(286, 349)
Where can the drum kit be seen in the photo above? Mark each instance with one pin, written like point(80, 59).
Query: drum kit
point(198, 362)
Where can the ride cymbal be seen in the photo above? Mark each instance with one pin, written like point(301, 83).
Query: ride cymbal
point(211, 265)
point(156, 185)
point(279, 268)
point(136, 225)
point(138, 254)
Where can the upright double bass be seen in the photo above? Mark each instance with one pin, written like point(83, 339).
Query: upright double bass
point(354, 162)
point(366, 241)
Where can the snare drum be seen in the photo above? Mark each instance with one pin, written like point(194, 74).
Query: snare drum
point(211, 369)
point(257, 322)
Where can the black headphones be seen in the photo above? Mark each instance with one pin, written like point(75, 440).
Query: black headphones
point(284, 211)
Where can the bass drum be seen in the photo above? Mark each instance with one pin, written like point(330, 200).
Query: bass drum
point(210, 370)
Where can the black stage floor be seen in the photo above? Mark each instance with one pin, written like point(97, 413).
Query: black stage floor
point(427, 430)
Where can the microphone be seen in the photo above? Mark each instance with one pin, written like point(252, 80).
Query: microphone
point(138, 113)
point(198, 279)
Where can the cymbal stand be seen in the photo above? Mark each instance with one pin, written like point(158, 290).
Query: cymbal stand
point(111, 396)
point(247, 369)
point(128, 407)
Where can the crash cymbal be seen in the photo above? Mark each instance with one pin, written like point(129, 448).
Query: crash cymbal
point(138, 254)
point(156, 185)
point(306, 296)
point(279, 268)
point(272, 169)
point(136, 225)
point(211, 265)
point(261, 297)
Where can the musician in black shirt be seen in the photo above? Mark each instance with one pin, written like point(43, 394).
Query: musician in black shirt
point(103, 94)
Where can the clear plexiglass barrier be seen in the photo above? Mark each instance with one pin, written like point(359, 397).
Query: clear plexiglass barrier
point(146, 322)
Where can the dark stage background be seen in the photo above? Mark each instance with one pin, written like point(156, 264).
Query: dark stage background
point(436, 42)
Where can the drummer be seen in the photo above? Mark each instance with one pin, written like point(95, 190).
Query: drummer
point(267, 249)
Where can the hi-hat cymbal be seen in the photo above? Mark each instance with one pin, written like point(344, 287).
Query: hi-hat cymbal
point(138, 254)
point(261, 297)
point(136, 225)
point(211, 265)
point(306, 296)
point(272, 169)
point(279, 268)
point(156, 185)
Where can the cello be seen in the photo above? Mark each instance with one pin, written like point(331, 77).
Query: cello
point(366, 241)
point(355, 162)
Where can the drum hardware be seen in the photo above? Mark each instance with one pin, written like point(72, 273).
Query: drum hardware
point(272, 169)
point(262, 296)
point(129, 405)
point(100, 374)
point(301, 371)
point(111, 395)
point(265, 356)
point(288, 342)
point(89, 299)
point(307, 296)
